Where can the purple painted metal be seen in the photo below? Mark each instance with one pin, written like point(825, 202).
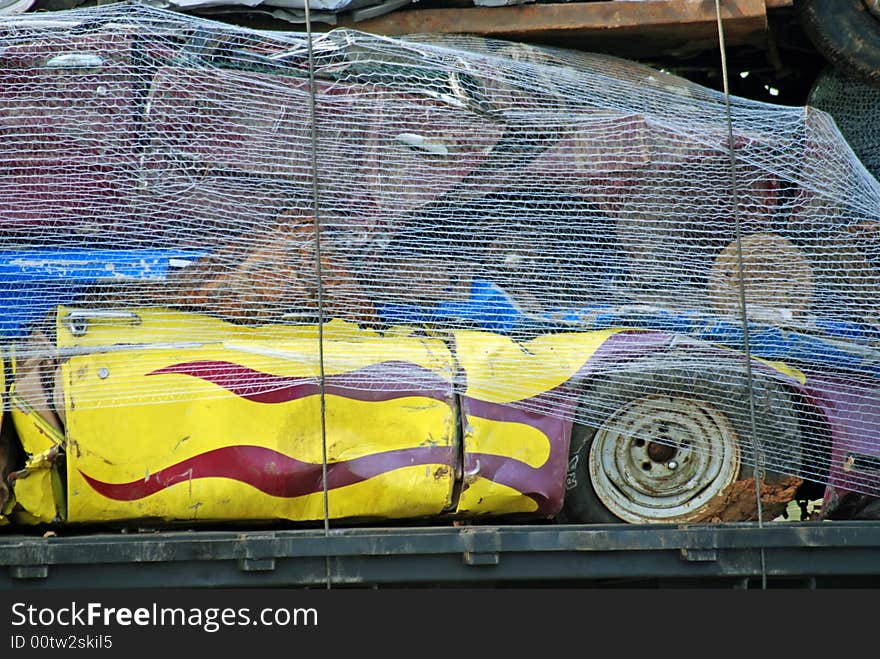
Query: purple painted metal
point(551, 413)
point(544, 484)
point(79, 124)
point(849, 408)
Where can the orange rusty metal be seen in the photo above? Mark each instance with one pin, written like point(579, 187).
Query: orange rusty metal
point(684, 25)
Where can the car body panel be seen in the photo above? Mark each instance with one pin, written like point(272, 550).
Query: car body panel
point(523, 451)
point(180, 416)
point(39, 490)
point(514, 435)
point(201, 116)
point(229, 427)
point(502, 370)
point(232, 430)
point(849, 407)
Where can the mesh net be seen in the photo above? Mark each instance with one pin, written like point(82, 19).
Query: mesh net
point(854, 105)
point(551, 231)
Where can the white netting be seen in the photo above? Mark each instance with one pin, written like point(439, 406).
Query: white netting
point(156, 165)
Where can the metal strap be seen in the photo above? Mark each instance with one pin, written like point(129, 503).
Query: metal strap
point(742, 287)
point(316, 208)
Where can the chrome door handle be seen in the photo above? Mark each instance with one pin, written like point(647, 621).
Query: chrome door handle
point(77, 322)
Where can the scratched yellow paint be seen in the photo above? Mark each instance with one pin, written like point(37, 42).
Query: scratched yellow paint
point(122, 444)
point(483, 496)
point(517, 441)
point(414, 491)
point(172, 417)
point(501, 370)
point(36, 490)
point(198, 415)
point(347, 346)
point(124, 425)
point(155, 325)
point(34, 494)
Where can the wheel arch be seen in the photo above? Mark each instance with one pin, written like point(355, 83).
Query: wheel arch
point(817, 440)
point(797, 436)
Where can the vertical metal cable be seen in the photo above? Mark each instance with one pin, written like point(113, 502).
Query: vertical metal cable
point(742, 285)
point(316, 208)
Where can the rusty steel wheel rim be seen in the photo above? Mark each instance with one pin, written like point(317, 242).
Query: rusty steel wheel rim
point(664, 459)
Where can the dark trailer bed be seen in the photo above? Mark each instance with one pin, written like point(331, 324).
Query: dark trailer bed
point(795, 554)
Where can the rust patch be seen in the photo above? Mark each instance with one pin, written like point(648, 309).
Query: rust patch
point(72, 447)
point(739, 503)
point(630, 28)
point(241, 279)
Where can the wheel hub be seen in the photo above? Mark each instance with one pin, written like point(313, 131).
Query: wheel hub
point(660, 452)
point(663, 459)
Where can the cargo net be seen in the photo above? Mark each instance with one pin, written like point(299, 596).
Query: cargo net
point(534, 230)
point(854, 105)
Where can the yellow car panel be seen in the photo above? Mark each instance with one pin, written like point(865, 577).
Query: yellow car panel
point(513, 440)
point(35, 433)
point(482, 496)
point(38, 490)
point(346, 345)
point(502, 370)
point(514, 458)
point(233, 430)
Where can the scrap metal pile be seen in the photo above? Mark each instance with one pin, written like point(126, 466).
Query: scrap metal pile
point(173, 181)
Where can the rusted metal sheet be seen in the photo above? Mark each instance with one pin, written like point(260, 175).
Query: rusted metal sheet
point(739, 503)
point(673, 25)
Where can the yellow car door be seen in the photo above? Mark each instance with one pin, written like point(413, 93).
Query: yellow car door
point(228, 426)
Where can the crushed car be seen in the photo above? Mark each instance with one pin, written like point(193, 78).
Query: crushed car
point(258, 277)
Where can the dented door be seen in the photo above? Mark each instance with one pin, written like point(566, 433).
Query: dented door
point(516, 416)
point(231, 429)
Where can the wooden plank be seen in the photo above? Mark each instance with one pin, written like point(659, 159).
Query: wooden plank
point(626, 27)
